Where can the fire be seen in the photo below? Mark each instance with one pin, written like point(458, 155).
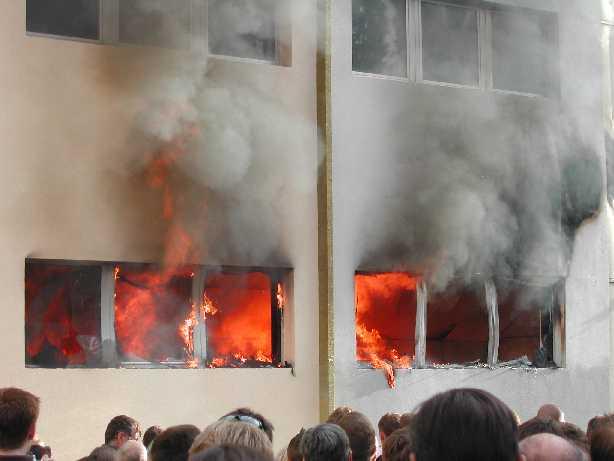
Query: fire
point(207, 307)
point(186, 330)
point(281, 297)
point(385, 320)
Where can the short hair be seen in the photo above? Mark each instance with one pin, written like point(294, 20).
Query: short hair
point(398, 445)
point(338, 414)
point(294, 447)
point(598, 422)
point(265, 424)
point(19, 411)
point(537, 425)
point(231, 453)
point(539, 446)
point(174, 443)
point(389, 423)
point(469, 423)
point(602, 444)
point(406, 419)
point(576, 436)
point(132, 450)
point(361, 434)
point(326, 442)
point(550, 411)
point(121, 423)
point(150, 434)
point(103, 453)
point(232, 432)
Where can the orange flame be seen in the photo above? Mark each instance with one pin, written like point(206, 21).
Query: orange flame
point(281, 297)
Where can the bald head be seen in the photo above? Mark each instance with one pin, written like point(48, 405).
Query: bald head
point(549, 447)
point(551, 411)
point(132, 451)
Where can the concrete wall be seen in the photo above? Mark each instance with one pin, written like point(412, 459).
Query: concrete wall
point(391, 117)
point(71, 190)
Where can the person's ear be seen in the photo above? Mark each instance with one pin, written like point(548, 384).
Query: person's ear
point(32, 431)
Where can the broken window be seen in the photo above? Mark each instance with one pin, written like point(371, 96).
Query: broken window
point(65, 18)
point(379, 37)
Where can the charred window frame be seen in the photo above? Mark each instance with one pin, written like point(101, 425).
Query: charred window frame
point(136, 22)
point(544, 306)
point(104, 350)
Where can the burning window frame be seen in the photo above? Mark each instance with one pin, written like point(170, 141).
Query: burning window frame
point(552, 344)
point(281, 283)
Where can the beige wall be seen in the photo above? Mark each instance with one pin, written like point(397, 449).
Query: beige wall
point(70, 191)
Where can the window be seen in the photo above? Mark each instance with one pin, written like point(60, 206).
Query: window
point(141, 316)
point(65, 18)
point(379, 37)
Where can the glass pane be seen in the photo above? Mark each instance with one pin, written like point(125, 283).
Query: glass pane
point(238, 307)
point(155, 23)
point(243, 28)
point(525, 52)
point(385, 318)
point(67, 18)
point(379, 37)
point(450, 44)
point(62, 315)
point(457, 326)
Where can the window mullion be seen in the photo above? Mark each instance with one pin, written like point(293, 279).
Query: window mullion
point(493, 322)
point(415, 34)
point(200, 331)
point(485, 47)
point(107, 316)
point(109, 21)
point(558, 314)
point(422, 301)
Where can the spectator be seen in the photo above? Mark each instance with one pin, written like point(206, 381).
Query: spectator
point(294, 447)
point(398, 446)
point(575, 435)
point(230, 453)
point(245, 415)
point(132, 451)
point(18, 415)
point(406, 419)
point(464, 425)
point(121, 429)
point(361, 434)
point(174, 443)
point(387, 424)
point(536, 426)
point(549, 447)
point(103, 453)
point(150, 434)
point(231, 432)
point(325, 442)
point(598, 422)
point(551, 411)
point(338, 414)
point(602, 444)
point(282, 455)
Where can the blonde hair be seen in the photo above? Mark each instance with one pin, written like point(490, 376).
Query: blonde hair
point(282, 455)
point(232, 433)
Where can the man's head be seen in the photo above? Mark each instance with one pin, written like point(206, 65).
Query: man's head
point(470, 423)
point(406, 419)
point(325, 442)
point(230, 453)
point(536, 426)
point(18, 414)
point(103, 453)
point(398, 446)
point(549, 447)
point(598, 422)
point(231, 432)
point(294, 447)
point(121, 429)
point(132, 450)
point(338, 414)
point(387, 424)
point(150, 434)
point(551, 411)
point(174, 443)
point(246, 415)
point(602, 444)
point(361, 434)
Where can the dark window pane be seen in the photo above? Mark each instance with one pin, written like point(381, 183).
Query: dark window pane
point(379, 37)
point(243, 28)
point(67, 18)
point(62, 315)
point(457, 326)
point(450, 44)
point(525, 52)
point(161, 23)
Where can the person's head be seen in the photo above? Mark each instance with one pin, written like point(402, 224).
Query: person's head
point(575, 435)
point(387, 424)
point(361, 434)
point(545, 447)
point(18, 415)
point(231, 432)
point(121, 429)
point(398, 446)
point(602, 444)
point(150, 434)
point(551, 411)
point(246, 415)
point(132, 450)
point(326, 442)
point(464, 425)
point(406, 419)
point(173, 443)
point(338, 414)
point(230, 453)
point(598, 422)
point(294, 447)
point(103, 453)
point(539, 426)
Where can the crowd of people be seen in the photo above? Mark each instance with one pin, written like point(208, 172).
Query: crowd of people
point(457, 425)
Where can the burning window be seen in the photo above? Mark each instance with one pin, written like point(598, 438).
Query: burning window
point(66, 18)
point(139, 315)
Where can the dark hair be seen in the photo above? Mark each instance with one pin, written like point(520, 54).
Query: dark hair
point(150, 434)
point(103, 453)
point(599, 422)
point(294, 447)
point(18, 412)
point(326, 442)
point(398, 445)
point(602, 444)
point(389, 423)
point(338, 414)
point(576, 436)
point(536, 426)
point(464, 425)
point(121, 423)
point(38, 451)
point(230, 453)
point(265, 424)
point(174, 443)
point(361, 434)
point(406, 419)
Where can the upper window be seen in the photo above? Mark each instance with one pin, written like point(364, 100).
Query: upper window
point(65, 18)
